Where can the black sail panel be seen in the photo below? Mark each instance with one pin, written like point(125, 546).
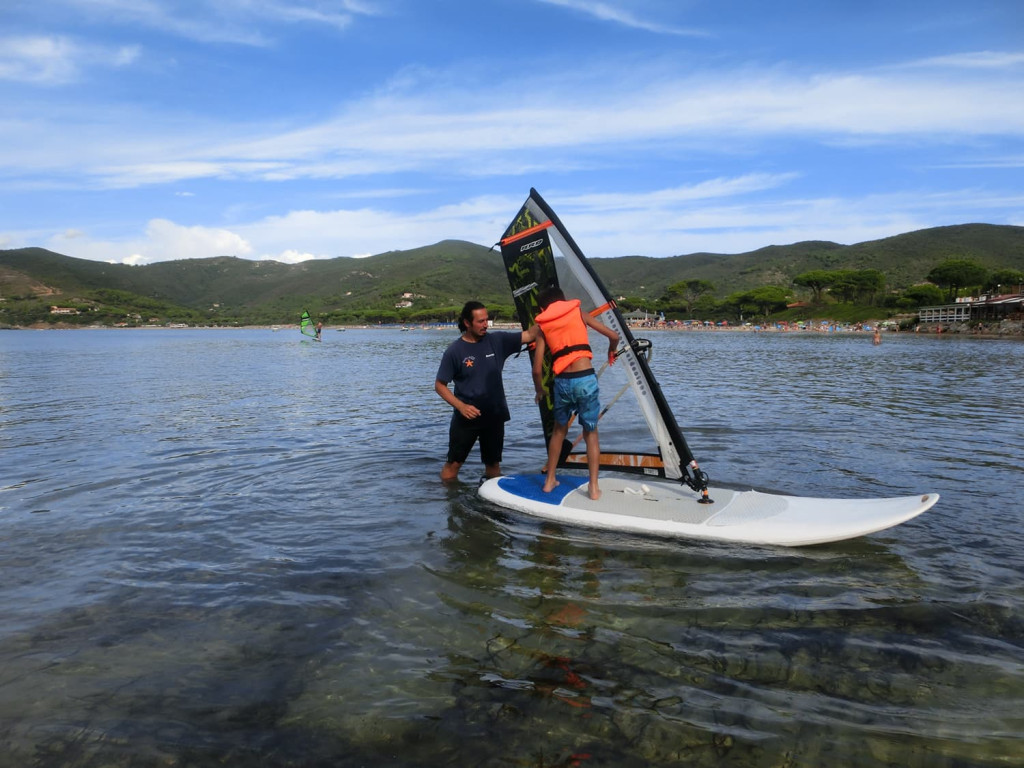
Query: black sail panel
point(530, 265)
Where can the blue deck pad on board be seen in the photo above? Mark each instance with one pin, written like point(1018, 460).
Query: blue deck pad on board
point(532, 487)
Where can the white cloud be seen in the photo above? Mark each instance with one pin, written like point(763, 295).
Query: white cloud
point(999, 161)
point(425, 130)
point(609, 11)
point(56, 60)
point(704, 190)
point(240, 22)
point(163, 240)
point(195, 242)
point(974, 60)
point(38, 60)
point(291, 256)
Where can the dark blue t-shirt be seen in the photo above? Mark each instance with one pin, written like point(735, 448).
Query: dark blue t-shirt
point(476, 370)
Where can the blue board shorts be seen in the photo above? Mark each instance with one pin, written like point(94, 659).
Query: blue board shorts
point(577, 394)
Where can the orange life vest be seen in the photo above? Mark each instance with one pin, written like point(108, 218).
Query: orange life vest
point(565, 333)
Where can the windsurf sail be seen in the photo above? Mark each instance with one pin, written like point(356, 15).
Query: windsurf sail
point(306, 325)
point(539, 253)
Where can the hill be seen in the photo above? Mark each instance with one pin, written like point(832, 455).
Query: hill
point(904, 259)
point(233, 282)
point(438, 278)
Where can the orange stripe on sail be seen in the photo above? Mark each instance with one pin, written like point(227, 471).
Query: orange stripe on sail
point(602, 309)
point(526, 232)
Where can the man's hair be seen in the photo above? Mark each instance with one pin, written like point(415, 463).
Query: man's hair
point(549, 296)
point(467, 314)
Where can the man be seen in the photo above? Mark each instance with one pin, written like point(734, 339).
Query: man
point(474, 362)
point(563, 327)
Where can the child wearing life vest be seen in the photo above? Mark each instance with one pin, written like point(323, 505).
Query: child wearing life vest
point(563, 330)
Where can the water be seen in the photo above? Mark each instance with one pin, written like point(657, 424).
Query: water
point(231, 548)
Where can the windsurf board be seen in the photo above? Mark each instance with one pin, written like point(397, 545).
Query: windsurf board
point(670, 509)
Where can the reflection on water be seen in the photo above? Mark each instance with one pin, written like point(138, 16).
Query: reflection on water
point(650, 653)
point(225, 548)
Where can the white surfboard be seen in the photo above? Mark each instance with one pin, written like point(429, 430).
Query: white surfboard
point(666, 508)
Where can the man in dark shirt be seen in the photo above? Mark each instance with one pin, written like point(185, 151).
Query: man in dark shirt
point(474, 361)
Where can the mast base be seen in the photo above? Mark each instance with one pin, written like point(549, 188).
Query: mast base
point(698, 480)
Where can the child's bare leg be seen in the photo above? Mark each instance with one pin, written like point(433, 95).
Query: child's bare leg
point(593, 461)
point(554, 449)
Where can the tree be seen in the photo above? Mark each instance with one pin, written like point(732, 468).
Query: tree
point(707, 306)
point(954, 274)
point(817, 280)
point(868, 282)
point(923, 295)
point(1005, 281)
point(844, 285)
point(768, 298)
point(849, 285)
point(739, 304)
point(690, 291)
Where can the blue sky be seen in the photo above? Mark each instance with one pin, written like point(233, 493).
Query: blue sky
point(144, 130)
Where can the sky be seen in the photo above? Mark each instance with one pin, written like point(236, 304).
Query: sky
point(138, 131)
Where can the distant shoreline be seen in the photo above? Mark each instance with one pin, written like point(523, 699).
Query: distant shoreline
point(1002, 330)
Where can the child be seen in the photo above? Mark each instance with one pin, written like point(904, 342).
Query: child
point(563, 327)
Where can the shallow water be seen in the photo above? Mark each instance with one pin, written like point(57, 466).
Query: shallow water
point(230, 547)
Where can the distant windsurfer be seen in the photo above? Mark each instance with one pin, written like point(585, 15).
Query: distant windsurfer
point(319, 329)
point(474, 361)
point(563, 328)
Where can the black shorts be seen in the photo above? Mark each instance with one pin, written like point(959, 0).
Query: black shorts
point(463, 433)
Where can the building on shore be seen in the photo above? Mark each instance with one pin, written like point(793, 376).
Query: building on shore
point(975, 310)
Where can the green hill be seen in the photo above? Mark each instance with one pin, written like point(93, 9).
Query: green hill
point(438, 278)
point(904, 259)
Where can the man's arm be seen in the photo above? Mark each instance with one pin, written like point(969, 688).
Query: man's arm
point(467, 411)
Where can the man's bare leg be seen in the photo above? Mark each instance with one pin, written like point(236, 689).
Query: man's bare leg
point(450, 471)
point(492, 470)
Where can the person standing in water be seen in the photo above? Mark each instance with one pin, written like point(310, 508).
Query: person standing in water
point(563, 330)
point(474, 361)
